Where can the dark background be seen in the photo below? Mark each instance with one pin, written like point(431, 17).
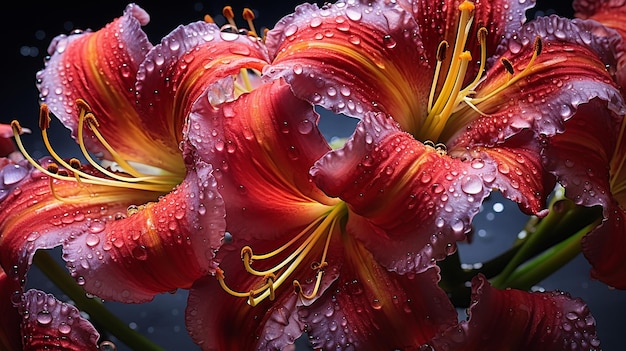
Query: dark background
point(28, 28)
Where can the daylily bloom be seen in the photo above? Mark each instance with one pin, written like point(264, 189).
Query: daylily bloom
point(147, 219)
point(383, 209)
point(589, 157)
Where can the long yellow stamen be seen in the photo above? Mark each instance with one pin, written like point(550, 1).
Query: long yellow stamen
point(248, 15)
point(452, 94)
point(274, 277)
point(161, 183)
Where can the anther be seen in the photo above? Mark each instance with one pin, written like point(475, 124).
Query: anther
point(44, 117)
point(208, 19)
point(482, 35)
point(75, 163)
point(227, 11)
point(248, 15)
point(53, 168)
point(441, 51)
point(507, 65)
point(538, 45)
point(466, 6)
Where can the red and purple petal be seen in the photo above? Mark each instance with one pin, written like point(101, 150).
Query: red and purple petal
point(415, 201)
point(349, 57)
point(611, 14)
point(10, 337)
point(166, 245)
point(49, 324)
point(605, 248)
point(220, 325)
point(180, 68)
point(518, 320)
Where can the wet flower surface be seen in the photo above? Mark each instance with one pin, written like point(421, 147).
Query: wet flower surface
point(210, 173)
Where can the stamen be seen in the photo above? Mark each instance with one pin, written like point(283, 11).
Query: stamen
point(248, 15)
point(227, 11)
point(161, 184)
point(444, 103)
point(274, 277)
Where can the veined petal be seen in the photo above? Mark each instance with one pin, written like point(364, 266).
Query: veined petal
point(348, 56)
point(417, 200)
point(370, 308)
point(10, 337)
point(165, 245)
point(187, 61)
point(520, 176)
point(605, 250)
point(517, 320)
point(541, 94)
point(49, 324)
point(587, 160)
point(611, 14)
point(580, 156)
point(439, 19)
point(100, 68)
point(262, 146)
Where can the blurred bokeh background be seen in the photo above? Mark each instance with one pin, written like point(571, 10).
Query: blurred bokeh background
point(28, 28)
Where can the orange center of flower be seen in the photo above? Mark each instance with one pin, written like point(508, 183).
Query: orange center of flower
point(291, 255)
point(444, 102)
point(130, 175)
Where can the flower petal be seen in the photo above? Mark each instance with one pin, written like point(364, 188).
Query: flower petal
point(347, 56)
point(518, 320)
point(48, 323)
point(10, 338)
point(175, 73)
point(100, 68)
point(417, 201)
point(165, 246)
point(370, 308)
point(262, 146)
point(605, 250)
point(520, 175)
point(611, 14)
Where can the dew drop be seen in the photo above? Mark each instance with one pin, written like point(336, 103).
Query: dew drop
point(472, 185)
point(92, 240)
point(305, 126)
point(44, 317)
point(353, 14)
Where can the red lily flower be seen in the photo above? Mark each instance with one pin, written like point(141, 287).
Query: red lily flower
point(423, 65)
point(589, 157)
point(403, 204)
point(148, 219)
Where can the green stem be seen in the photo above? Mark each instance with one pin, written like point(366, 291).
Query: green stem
point(96, 310)
point(548, 262)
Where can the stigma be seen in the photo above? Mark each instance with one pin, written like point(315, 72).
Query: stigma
point(127, 174)
point(448, 93)
point(300, 251)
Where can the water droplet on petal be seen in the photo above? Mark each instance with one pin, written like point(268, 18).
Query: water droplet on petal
point(44, 317)
point(472, 185)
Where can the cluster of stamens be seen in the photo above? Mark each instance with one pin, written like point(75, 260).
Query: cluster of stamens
point(73, 170)
point(304, 242)
point(452, 93)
